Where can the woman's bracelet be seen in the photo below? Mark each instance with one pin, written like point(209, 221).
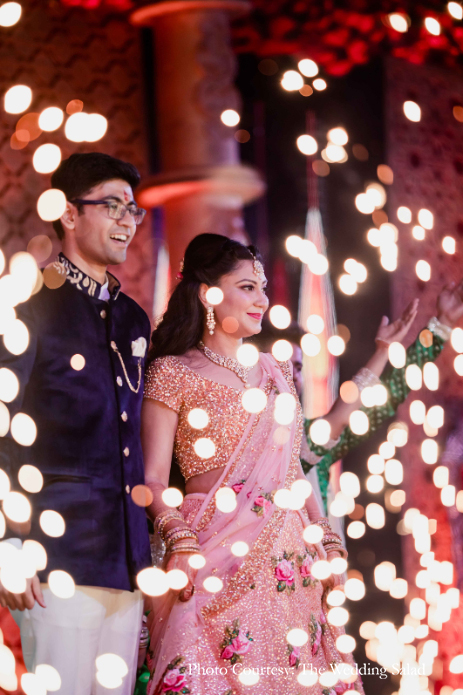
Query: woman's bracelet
point(364, 378)
point(184, 549)
point(180, 535)
point(164, 518)
point(336, 548)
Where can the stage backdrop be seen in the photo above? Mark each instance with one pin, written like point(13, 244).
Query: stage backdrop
point(64, 54)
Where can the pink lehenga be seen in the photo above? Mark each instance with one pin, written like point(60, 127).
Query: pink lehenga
point(202, 646)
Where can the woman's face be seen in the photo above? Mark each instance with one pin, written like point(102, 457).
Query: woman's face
point(244, 302)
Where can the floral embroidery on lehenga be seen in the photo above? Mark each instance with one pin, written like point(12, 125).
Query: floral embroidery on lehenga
point(294, 656)
point(305, 563)
point(174, 680)
point(284, 572)
point(316, 629)
point(236, 643)
point(263, 504)
point(237, 487)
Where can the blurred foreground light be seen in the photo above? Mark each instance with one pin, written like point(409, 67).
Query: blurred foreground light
point(240, 548)
point(336, 345)
point(417, 412)
point(46, 158)
point(376, 193)
point(456, 665)
point(172, 497)
point(198, 418)
point(294, 245)
point(404, 215)
point(197, 561)
point(51, 205)
point(397, 355)
point(177, 579)
point(429, 451)
point(399, 588)
point(412, 111)
point(52, 523)
point(225, 500)
point(51, 118)
point(426, 218)
point(354, 589)
point(375, 483)
point(449, 244)
point(249, 677)
point(349, 392)
point(247, 355)
point(337, 616)
point(432, 25)
point(312, 534)
point(36, 553)
point(9, 385)
point(96, 127)
point(336, 597)
point(458, 365)
point(214, 296)
point(319, 84)
point(350, 484)
point(359, 422)
point(205, 447)
point(414, 377)
point(418, 233)
point(10, 14)
point(48, 677)
point(153, 581)
point(310, 345)
point(320, 431)
point(321, 569)
point(282, 350)
point(18, 98)
point(375, 516)
point(31, 685)
point(431, 376)
point(307, 678)
point(364, 204)
point(30, 478)
point(307, 67)
point(230, 117)
point(356, 529)
point(348, 284)
point(292, 81)
point(297, 637)
point(307, 144)
point(318, 265)
point(338, 136)
point(334, 154)
point(399, 21)
point(213, 584)
point(315, 324)
point(423, 270)
point(456, 339)
point(61, 584)
point(23, 429)
point(280, 316)
point(394, 472)
point(17, 507)
point(338, 565)
point(75, 128)
point(384, 575)
point(253, 400)
point(435, 416)
point(456, 10)
point(4, 484)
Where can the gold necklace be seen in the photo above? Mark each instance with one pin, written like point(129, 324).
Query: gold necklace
point(228, 362)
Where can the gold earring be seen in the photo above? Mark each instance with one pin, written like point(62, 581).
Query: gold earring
point(210, 319)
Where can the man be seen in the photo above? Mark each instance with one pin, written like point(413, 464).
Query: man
point(81, 380)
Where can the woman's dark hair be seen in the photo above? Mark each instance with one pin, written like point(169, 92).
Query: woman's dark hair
point(79, 173)
point(207, 258)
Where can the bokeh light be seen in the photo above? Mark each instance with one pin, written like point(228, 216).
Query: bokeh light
point(51, 119)
point(61, 584)
point(172, 497)
point(292, 81)
point(198, 418)
point(319, 84)
point(18, 98)
point(52, 523)
point(432, 25)
point(46, 158)
point(308, 67)
point(307, 144)
point(280, 316)
point(399, 21)
point(412, 111)
point(10, 14)
point(51, 205)
point(247, 355)
point(230, 117)
point(23, 429)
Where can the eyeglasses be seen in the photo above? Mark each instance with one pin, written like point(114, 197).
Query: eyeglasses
point(116, 210)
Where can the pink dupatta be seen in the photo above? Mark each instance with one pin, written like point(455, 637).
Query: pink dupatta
point(265, 460)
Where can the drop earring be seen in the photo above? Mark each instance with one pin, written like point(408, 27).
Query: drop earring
point(210, 319)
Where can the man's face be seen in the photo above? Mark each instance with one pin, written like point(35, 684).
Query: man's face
point(98, 237)
point(296, 359)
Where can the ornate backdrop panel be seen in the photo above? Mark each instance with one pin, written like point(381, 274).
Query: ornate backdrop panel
point(427, 161)
point(64, 54)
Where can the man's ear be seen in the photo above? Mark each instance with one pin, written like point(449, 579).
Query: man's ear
point(68, 218)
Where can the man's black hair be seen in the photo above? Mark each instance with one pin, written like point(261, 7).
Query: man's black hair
point(78, 174)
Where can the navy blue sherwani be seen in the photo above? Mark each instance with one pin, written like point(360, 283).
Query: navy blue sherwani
point(88, 426)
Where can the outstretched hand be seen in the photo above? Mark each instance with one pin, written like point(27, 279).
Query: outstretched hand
point(450, 304)
point(397, 330)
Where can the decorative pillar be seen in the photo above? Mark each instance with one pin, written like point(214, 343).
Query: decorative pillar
point(202, 185)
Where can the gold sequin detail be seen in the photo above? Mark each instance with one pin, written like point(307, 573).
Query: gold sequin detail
point(170, 381)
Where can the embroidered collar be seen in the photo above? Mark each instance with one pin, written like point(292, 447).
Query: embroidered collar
point(83, 282)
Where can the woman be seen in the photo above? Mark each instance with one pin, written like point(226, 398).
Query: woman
point(203, 640)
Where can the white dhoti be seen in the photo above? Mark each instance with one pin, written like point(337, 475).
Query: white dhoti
point(69, 634)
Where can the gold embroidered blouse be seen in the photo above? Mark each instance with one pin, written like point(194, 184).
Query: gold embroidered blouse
point(171, 382)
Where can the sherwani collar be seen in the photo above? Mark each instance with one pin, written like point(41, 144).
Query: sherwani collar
point(85, 283)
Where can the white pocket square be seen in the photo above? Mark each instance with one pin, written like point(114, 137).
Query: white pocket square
point(139, 347)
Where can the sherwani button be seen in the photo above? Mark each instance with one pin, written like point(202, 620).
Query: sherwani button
point(127, 489)
point(126, 451)
point(119, 381)
point(124, 416)
point(103, 314)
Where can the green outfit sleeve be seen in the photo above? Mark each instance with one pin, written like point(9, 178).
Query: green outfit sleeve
point(397, 389)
